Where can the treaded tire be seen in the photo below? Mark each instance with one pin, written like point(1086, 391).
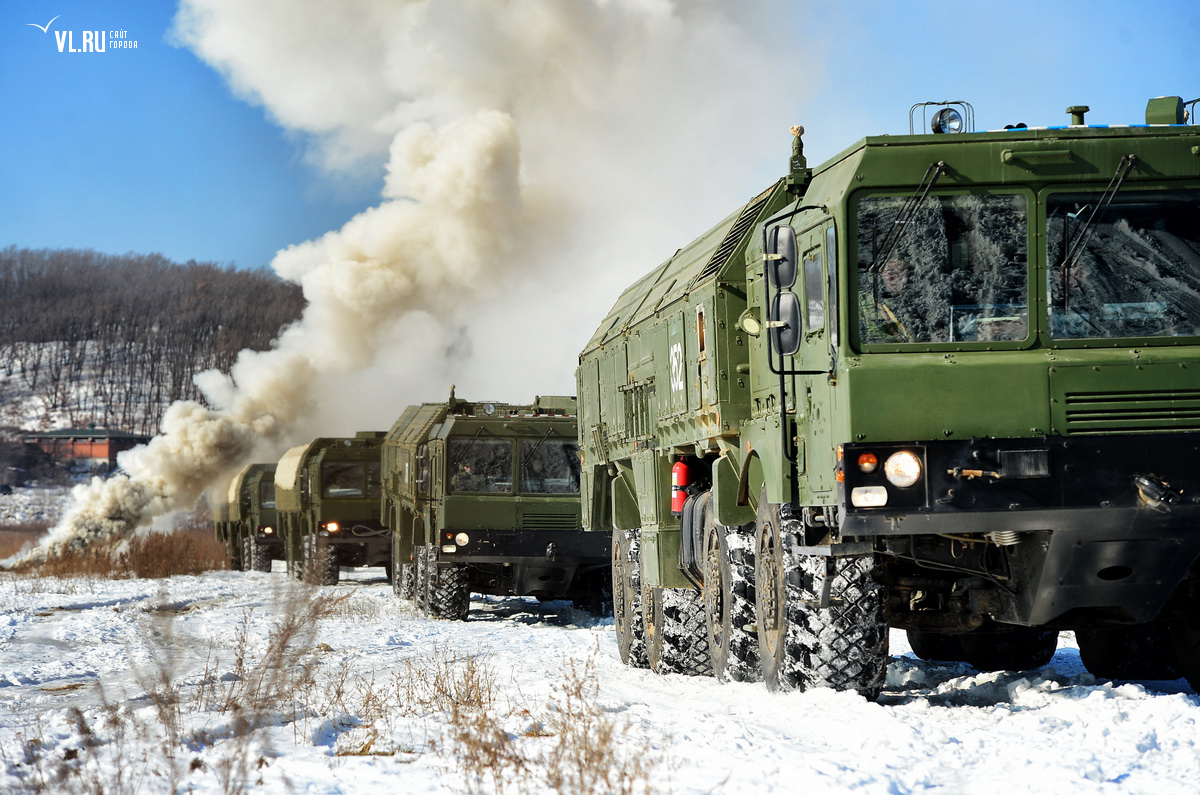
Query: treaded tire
point(729, 598)
point(627, 598)
point(844, 646)
point(448, 592)
point(675, 631)
point(404, 574)
point(1018, 649)
point(1142, 652)
point(255, 556)
point(320, 562)
point(935, 646)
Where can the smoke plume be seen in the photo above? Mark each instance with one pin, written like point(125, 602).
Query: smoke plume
point(538, 156)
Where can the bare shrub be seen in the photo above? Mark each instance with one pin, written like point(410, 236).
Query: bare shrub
point(151, 556)
point(158, 555)
point(587, 753)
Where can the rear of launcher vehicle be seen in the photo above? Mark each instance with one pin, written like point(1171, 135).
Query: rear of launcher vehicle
point(327, 492)
point(484, 498)
point(246, 521)
point(948, 383)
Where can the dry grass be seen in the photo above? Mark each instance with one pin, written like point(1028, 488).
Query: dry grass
point(151, 556)
point(275, 673)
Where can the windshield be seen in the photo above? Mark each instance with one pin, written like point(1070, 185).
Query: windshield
point(481, 465)
point(350, 479)
point(1138, 273)
point(956, 273)
point(549, 467)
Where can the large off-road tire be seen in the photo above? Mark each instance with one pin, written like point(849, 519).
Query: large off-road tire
point(1142, 652)
point(448, 592)
point(729, 598)
point(255, 555)
point(320, 562)
point(1017, 649)
point(627, 598)
point(935, 646)
point(803, 646)
point(675, 632)
point(404, 574)
point(236, 554)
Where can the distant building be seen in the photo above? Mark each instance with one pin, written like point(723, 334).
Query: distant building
point(92, 447)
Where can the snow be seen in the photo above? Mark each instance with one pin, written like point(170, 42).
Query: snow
point(118, 651)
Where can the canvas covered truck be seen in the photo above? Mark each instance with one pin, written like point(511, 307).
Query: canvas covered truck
point(246, 522)
point(483, 497)
point(947, 382)
point(327, 494)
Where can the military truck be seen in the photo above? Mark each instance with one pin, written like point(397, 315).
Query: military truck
point(484, 498)
point(246, 522)
point(327, 493)
point(946, 382)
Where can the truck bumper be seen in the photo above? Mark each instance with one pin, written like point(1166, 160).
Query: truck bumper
point(542, 562)
point(1060, 524)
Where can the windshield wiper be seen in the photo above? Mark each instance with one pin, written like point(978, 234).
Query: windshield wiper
point(1085, 231)
point(904, 217)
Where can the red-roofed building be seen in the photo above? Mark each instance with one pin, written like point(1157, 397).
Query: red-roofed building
point(94, 447)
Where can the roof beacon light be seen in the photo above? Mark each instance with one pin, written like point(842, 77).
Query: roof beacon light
point(947, 120)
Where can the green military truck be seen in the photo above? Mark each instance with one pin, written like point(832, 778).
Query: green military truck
point(484, 498)
point(246, 522)
point(947, 382)
point(327, 493)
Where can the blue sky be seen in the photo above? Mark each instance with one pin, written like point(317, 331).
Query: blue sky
point(148, 150)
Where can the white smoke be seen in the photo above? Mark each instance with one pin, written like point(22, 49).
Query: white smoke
point(540, 155)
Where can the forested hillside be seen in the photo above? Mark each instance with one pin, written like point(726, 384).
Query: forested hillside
point(111, 340)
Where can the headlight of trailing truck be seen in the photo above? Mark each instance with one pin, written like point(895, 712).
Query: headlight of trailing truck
point(268, 530)
point(462, 539)
point(903, 469)
point(332, 527)
point(868, 496)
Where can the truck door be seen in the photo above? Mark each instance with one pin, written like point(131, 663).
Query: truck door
point(814, 393)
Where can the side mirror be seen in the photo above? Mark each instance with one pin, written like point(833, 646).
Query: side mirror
point(784, 325)
point(781, 257)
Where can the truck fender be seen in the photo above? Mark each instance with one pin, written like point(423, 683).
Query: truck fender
point(729, 491)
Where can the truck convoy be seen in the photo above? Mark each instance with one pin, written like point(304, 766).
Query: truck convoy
point(484, 497)
point(944, 382)
point(246, 522)
point(327, 493)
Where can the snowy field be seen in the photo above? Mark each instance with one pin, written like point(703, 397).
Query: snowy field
point(129, 684)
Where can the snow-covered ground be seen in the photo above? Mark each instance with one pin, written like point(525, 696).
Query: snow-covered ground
point(130, 684)
point(31, 504)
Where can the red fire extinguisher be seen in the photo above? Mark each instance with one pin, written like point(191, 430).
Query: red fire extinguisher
point(679, 483)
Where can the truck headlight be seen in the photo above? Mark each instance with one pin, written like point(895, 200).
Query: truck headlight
point(868, 496)
point(903, 469)
point(462, 539)
point(332, 527)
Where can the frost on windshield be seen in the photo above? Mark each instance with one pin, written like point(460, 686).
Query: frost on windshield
point(955, 269)
point(549, 467)
point(1136, 268)
point(481, 465)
